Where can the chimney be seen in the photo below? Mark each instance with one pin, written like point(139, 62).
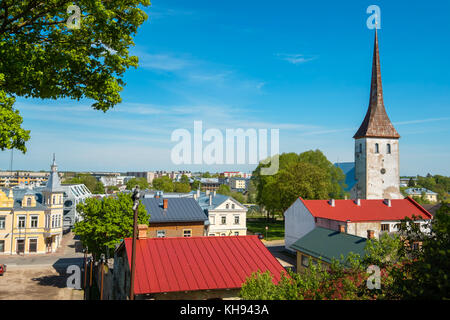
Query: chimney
point(387, 202)
point(165, 203)
point(358, 202)
point(210, 199)
point(142, 231)
point(331, 202)
point(370, 234)
point(342, 228)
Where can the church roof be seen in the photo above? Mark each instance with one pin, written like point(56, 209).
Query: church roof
point(376, 122)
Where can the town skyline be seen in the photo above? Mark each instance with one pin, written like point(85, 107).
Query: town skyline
point(178, 82)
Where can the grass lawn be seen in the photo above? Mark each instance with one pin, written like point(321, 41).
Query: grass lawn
point(275, 232)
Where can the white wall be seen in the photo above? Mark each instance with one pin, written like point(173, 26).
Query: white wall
point(230, 227)
point(298, 222)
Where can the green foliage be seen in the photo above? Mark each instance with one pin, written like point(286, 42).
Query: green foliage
point(411, 183)
point(94, 186)
point(106, 222)
point(163, 183)
point(238, 197)
point(11, 133)
point(42, 58)
point(437, 183)
point(184, 179)
point(425, 276)
point(308, 175)
point(141, 182)
point(195, 185)
point(181, 187)
point(224, 189)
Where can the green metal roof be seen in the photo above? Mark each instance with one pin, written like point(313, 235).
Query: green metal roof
point(328, 244)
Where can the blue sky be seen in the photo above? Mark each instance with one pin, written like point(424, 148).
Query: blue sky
point(302, 67)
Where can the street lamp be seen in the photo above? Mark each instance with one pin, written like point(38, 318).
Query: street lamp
point(136, 195)
point(102, 260)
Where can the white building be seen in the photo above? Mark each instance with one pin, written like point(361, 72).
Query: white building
point(227, 217)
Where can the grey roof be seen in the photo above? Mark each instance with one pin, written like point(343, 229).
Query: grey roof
point(178, 210)
point(19, 193)
point(328, 244)
point(217, 200)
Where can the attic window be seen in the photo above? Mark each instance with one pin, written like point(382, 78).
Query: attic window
point(29, 202)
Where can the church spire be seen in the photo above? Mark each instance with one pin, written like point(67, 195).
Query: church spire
point(376, 123)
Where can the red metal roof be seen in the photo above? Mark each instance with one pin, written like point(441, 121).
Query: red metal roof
point(199, 263)
point(369, 210)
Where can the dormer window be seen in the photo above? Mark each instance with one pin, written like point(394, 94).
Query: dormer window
point(29, 202)
point(377, 148)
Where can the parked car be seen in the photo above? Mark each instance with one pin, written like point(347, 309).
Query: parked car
point(2, 269)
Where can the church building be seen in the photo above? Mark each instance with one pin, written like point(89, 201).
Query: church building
point(377, 163)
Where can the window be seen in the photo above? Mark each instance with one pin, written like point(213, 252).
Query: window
point(227, 206)
point(360, 148)
point(232, 206)
point(222, 234)
point(223, 220)
point(53, 221)
point(212, 219)
point(236, 233)
point(385, 227)
point(388, 148)
point(47, 221)
point(34, 222)
point(212, 234)
point(2, 222)
point(32, 245)
point(305, 261)
point(236, 219)
point(377, 148)
point(21, 221)
point(29, 202)
point(20, 247)
point(160, 233)
point(187, 233)
point(2, 245)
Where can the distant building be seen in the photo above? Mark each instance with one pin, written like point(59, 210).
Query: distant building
point(26, 178)
point(210, 184)
point(148, 175)
point(230, 174)
point(238, 184)
point(418, 192)
point(74, 194)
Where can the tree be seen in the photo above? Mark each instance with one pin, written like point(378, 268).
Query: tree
point(106, 222)
point(425, 276)
point(224, 189)
point(239, 197)
point(41, 57)
point(163, 183)
point(141, 182)
point(411, 182)
point(181, 187)
point(195, 185)
point(94, 186)
point(184, 179)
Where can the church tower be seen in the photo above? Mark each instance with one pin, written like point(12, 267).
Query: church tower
point(377, 162)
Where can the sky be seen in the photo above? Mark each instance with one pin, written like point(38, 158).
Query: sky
point(302, 67)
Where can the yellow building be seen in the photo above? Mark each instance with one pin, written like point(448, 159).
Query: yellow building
point(31, 219)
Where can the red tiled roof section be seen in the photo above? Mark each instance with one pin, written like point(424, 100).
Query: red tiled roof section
point(199, 263)
point(376, 122)
point(369, 210)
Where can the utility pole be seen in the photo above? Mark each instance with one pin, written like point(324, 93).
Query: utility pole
point(135, 197)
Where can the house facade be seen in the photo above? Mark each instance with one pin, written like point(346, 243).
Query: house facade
point(419, 192)
point(357, 217)
point(31, 221)
point(227, 217)
point(175, 217)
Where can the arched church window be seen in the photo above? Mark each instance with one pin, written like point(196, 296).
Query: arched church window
point(377, 148)
point(360, 148)
point(388, 148)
